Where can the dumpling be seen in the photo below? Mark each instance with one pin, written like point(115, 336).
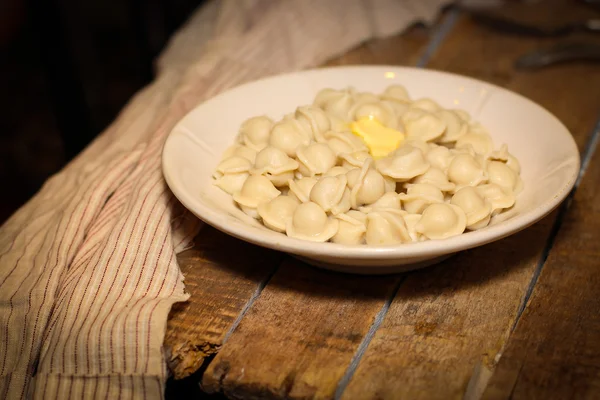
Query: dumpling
point(503, 176)
point(481, 143)
point(242, 151)
point(496, 196)
point(336, 102)
point(502, 154)
point(231, 183)
point(411, 221)
point(426, 104)
point(345, 142)
point(365, 97)
point(288, 135)
point(356, 159)
point(367, 184)
point(419, 195)
point(477, 209)
point(386, 228)
point(465, 116)
point(301, 188)
point(314, 120)
point(315, 159)
point(439, 157)
point(377, 110)
point(310, 222)
point(276, 213)
point(337, 170)
point(396, 93)
point(255, 131)
point(419, 144)
point(256, 189)
point(352, 228)
point(275, 164)
point(465, 170)
point(437, 178)
point(455, 126)
point(403, 164)
point(331, 194)
point(232, 165)
point(389, 200)
point(423, 125)
point(441, 221)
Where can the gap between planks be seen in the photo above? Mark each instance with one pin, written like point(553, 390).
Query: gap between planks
point(443, 30)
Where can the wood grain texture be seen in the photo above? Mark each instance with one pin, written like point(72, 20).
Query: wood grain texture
point(221, 275)
point(554, 353)
point(298, 338)
point(447, 325)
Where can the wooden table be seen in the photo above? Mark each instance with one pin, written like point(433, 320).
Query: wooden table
point(519, 318)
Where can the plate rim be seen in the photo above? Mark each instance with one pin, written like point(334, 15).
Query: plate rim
point(429, 248)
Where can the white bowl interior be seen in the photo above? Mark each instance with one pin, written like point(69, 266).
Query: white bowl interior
point(547, 152)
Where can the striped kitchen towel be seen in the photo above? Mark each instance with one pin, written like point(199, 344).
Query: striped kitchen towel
point(88, 269)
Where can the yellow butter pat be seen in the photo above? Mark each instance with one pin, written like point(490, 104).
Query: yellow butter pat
point(380, 139)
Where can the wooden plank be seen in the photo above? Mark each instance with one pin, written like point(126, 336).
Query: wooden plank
point(221, 288)
point(221, 275)
point(298, 338)
point(554, 353)
point(447, 325)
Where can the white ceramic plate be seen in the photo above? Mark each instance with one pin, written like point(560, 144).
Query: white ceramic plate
point(547, 152)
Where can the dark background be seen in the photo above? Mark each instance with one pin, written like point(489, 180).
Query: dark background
point(67, 67)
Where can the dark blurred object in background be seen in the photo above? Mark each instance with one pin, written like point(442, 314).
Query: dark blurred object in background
point(67, 68)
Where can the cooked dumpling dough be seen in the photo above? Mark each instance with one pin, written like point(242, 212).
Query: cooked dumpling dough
point(275, 165)
point(276, 213)
point(351, 229)
point(255, 131)
point(256, 189)
point(464, 170)
point(477, 209)
point(396, 93)
point(367, 185)
point(314, 120)
point(354, 159)
point(496, 196)
point(503, 176)
point(503, 155)
point(426, 104)
point(403, 164)
point(329, 193)
point(389, 200)
point(439, 157)
point(345, 142)
point(411, 221)
point(231, 183)
point(378, 110)
point(288, 135)
point(242, 151)
point(232, 165)
point(386, 228)
point(419, 195)
point(465, 116)
point(437, 178)
point(441, 221)
point(315, 159)
point(310, 222)
point(301, 188)
point(336, 102)
point(337, 170)
point(455, 126)
point(423, 125)
point(481, 143)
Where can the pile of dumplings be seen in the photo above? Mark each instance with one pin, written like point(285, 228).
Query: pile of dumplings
point(309, 177)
